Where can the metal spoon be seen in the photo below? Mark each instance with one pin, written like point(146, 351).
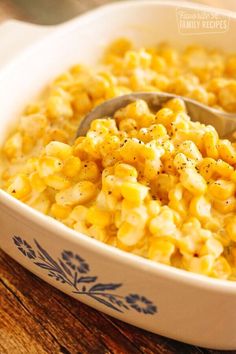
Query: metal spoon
point(224, 123)
point(45, 12)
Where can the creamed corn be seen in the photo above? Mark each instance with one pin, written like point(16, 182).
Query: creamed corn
point(152, 183)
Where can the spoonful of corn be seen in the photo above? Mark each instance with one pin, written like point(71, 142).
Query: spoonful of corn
point(224, 123)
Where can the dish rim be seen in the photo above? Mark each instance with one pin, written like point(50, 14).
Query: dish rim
point(93, 245)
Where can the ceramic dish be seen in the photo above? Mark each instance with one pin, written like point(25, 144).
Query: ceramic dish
point(158, 298)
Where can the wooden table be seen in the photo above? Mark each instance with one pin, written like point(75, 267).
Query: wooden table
point(38, 319)
point(35, 318)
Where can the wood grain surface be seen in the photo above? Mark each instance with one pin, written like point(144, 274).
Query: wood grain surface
point(35, 318)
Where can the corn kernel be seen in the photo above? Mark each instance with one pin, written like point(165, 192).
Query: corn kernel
point(158, 64)
point(20, 187)
point(98, 217)
point(190, 150)
point(129, 235)
point(89, 171)
point(176, 105)
point(126, 171)
point(28, 144)
point(193, 181)
point(37, 183)
point(56, 134)
point(163, 224)
point(231, 228)
point(48, 165)
point(227, 96)
point(161, 251)
point(57, 182)
point(59, 211)
point(233, 176)
point(79, 213)
point(81, 227)
point(58, 149)
point(41, 203)
point(200, 207)
point(223, 169)
point(119, 47)
point(34, 124)
point(82, 103)
point(199, 94)
point(32, 108)
point(80, 193)
point(161, 82)
point(210, 143)
point(212, 246)
point(221, 269)
point(98, 233)
point(13, 145)
point(176, 199)
point(225, 206)
point(181, 162)
point(202, 265)
point(128, 124)
point(154, 208)
point(164, 116)
point(98, 87)
point(133, 214)
point(58, 107)
point(226, 151)
point(134, 192)
point(162, 184)
point(72, 166)
point(206, 168)
point(221, 189)
point(230, 67)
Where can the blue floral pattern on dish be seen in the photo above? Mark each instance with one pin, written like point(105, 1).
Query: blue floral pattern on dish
point(73, 270)
point(24, 247)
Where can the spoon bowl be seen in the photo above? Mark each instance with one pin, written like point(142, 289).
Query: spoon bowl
point(224, 123)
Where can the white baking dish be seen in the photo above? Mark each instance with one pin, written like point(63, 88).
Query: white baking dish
point(158, 298)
